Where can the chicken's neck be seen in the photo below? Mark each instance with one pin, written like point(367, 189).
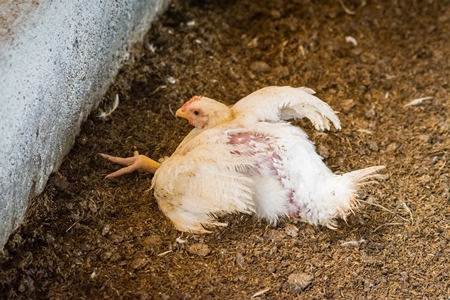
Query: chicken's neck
point(220, 117)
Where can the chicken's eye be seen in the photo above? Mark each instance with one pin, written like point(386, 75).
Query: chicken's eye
point(196, 112)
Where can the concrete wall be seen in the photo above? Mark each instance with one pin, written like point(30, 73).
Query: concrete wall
point(57, 58)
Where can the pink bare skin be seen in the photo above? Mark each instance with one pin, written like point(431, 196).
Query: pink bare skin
point(138, 162)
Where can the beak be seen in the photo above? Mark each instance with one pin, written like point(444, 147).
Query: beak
point(182, 114)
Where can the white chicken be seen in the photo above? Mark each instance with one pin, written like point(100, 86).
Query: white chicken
point(247, 159)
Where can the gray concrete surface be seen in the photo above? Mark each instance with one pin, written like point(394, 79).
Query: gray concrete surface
point(57, 58)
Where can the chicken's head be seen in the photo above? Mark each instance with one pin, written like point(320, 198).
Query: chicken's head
point(204, 113)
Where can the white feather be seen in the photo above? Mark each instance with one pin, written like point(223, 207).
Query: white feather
point(251, 161)
point(277, 103)
point(277, 174)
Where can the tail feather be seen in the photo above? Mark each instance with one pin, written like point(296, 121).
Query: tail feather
point(339, 197)
point(355, 179)
point(362, 176)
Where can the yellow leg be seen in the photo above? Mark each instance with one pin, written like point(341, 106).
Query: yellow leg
point(138, 162)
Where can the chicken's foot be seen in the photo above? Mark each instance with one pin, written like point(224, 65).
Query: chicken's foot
point(138, 162)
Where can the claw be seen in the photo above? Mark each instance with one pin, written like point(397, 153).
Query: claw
point(138, 162)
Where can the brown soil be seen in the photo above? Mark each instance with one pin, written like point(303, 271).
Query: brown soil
point(90, 238)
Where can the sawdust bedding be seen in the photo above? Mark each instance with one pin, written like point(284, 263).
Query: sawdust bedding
point(89, 238)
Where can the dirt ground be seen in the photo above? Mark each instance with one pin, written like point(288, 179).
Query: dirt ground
point(87, 237)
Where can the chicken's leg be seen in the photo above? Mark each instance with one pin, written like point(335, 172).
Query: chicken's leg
point(138, 162)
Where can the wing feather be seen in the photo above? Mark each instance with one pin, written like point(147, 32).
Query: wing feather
point(193, 188)
point(274, 103)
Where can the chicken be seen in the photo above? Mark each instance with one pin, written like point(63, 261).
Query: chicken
point(269, 104)
point(248, 159)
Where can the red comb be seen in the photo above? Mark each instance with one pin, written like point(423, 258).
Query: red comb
point(193, 99)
